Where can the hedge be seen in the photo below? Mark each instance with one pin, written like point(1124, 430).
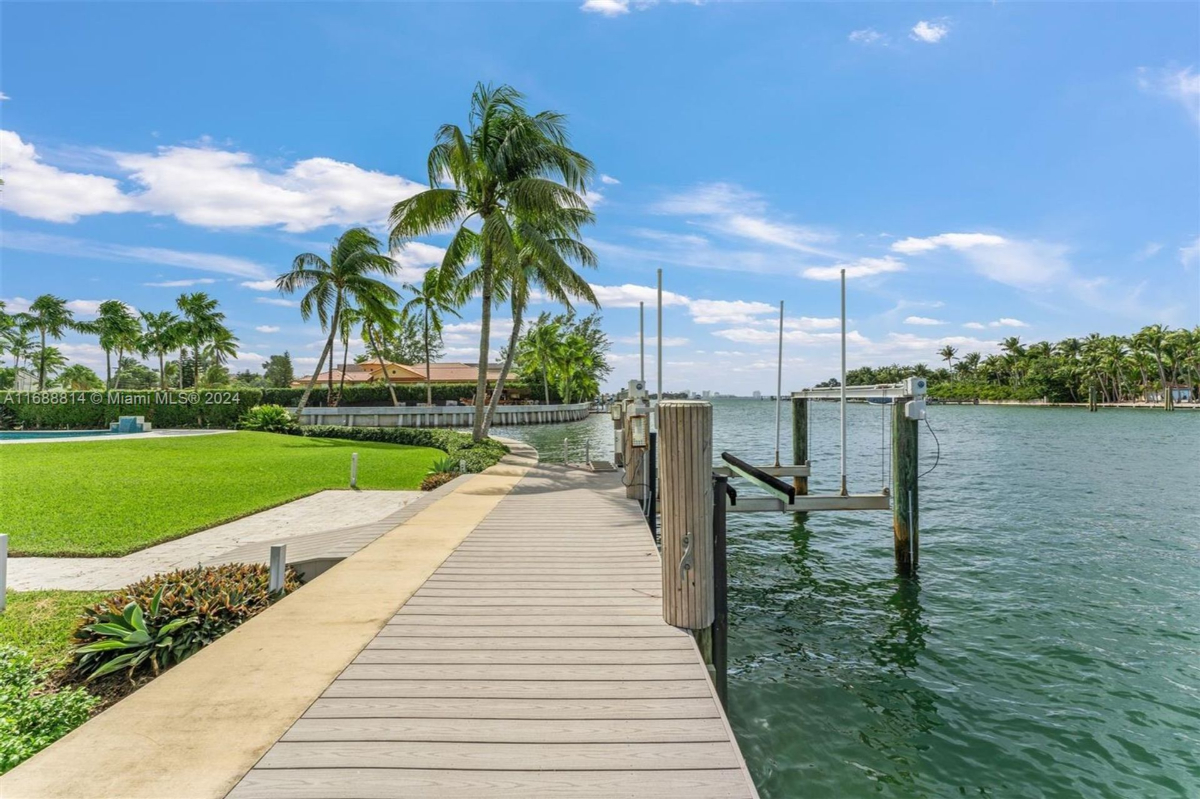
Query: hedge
point(94, 410)
point(458, 446)
point(969, 391)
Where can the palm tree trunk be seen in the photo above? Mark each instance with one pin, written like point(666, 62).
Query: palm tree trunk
point(108, 368)
point(117, 380)
point(428, 370)
point(382, 366)
point(546, 383)
point(182, 355)
point(342, 380)
point(162, 370)
point(312, 381)
point(196, 355)
point(42, 362)
point(485, 333)
point(508, 359)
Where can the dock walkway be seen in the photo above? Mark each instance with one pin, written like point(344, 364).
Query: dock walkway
point(534, 662)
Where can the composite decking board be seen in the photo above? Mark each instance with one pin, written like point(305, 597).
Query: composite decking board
point(533, 662)
point(382, 783)
point(540, 708)
point(548, 731)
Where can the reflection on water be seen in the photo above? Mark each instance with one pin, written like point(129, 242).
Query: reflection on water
point(1050, 646)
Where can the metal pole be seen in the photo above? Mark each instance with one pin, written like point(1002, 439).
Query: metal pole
point(642, 340)
point(278, 567)
point(354, 470)
point(3, 570)
point(658, 362)
point(720, 627)
point(564, 452)
point(779, 383)
point(843, 392)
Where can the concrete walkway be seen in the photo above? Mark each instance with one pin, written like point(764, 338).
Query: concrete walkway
point(318, 513)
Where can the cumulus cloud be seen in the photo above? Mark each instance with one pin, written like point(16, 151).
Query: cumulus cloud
point(1190, 253)
point(1023, 264)
point(267, 329)
point(86, 249)
point(710, 312)
point(416, 258)
point(609, 180)
point(279, 301)
point(955, 241)
point(4, 97)
point(668, 341)
point(202, 185)
point(37, 190)
point(628, 295)
point(930, 32)
point(1179, 85)
point(863, 267)
point(606, 8)
point(975, 326)
point(922, 320)
point(260, 285)
point(1007, 321)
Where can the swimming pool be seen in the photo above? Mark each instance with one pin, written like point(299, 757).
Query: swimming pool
point(22, 435)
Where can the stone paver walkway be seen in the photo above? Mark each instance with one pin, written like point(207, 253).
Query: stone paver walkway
point(318, 513)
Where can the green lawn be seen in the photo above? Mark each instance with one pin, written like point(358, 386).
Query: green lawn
point(41, 622)
point(115, 497)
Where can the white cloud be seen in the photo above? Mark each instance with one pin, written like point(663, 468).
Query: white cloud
point(416, 258)
point(609, 180)
point(930, 32)
point(260, 285)
point(756, 335)
point(267, 329)
point(83, 248)
point(628, 295)
point(37, 190)
point(1151, 249)
point(734, 211)
point(1180, 85)
point(975, 326)
point(713, 312)
point(652, 339)
point(1190, 254)
point(867, 36)
point(84, 307)
point(282, 303)
point(607, 8)
point(1007, 321)
point(16, 304)
point(955, 241)
point(812, 322)
point(922, 320)
point(4, 96)
point(863, 267)
point(178, 284)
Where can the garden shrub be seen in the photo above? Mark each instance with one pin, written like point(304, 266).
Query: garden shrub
point(31, 716)
point(94, 410)
point(268, 419)
point(214, 598)
point(437, 479)
point(377, 393)
point(458, 446)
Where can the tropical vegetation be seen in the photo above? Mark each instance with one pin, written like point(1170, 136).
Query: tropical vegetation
point(1148, 366)
point(32, 715)
point(565, 354)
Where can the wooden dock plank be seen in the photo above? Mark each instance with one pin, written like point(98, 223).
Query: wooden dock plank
point(534, 662)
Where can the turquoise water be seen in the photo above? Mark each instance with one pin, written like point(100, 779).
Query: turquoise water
point(18, 435)
point(1049, 647)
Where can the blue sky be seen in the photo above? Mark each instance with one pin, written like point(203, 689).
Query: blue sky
point(981, 170)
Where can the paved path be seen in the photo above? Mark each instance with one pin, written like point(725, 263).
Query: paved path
point(318, 513)
point(534, 662)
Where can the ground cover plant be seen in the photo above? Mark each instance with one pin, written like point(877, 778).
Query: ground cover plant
point(92, 498)
point(43, 623)
point(32, 716)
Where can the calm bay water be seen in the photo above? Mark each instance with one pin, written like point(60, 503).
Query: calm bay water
point(1049, 647)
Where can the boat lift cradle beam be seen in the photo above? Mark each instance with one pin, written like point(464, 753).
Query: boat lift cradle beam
point(784, 496)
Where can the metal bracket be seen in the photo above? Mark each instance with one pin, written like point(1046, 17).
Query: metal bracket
point(685, 562)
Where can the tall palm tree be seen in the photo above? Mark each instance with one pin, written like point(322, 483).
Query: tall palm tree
point(50, 360)
point(119, 330)
point(540, 349)
point(163, 333)
point(49, 316)
point(431, 299)
point(346, 278)
point(947, 354)
point(19, 344)
point(544, 252)
point(1153, 340)
point(509, 165)
point(202, 320)
point(350, 318)
point(385, 323)
point(78, 378)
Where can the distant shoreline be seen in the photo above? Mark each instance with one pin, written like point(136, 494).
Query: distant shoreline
point(1145, 406)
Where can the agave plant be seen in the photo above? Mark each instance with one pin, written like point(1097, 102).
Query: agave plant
point(446, 465)
point(137, 642)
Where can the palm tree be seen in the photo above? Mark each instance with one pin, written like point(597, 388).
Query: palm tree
point(544, 252)
point(50, 360)
point(1152, 339)
point(221, 346)
point(18, 343)
point(163, 333)
point(350, 317)
point(201, 322)
point(119, 330)
point(431, 299)
point(344, 279)
point(78, 378)
point(49, 316)
point(506, 168)
point(540, 349)
point(385, 323)
point(947, 354)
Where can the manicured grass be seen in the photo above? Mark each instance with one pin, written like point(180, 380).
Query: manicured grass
point(41, 622)
point(114, 497)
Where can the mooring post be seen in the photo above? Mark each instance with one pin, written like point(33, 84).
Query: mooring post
point(800, 441)
point(1091, 399)
point(652, 483)
point(354, 470)
point(720, 628)
point(905, 496)
point(685, 448)
point(635, 462)
point(278, 568)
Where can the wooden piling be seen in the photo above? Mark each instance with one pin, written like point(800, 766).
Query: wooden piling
point(685, 467)
point(635, 462)
point(800, 441)
point(905, 496)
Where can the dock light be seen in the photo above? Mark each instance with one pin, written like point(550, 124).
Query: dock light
point(616, 411)
point(638, 431)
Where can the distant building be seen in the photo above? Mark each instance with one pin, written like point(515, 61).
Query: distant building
point(706, 394)
point(403, 373)
point(757, 395)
